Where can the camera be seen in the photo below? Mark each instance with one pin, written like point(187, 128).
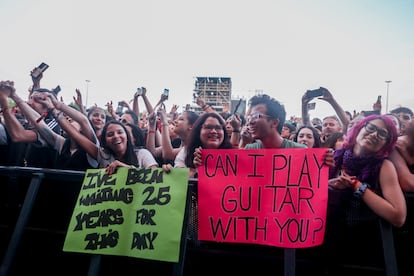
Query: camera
point(314, 93)
point(39, 70)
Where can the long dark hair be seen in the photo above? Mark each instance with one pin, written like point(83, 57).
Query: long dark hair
point(138, 135)
point(316, 137)
point(195, 141)
point(130, 157)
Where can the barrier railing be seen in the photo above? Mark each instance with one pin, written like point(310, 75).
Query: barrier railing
point(10, 186)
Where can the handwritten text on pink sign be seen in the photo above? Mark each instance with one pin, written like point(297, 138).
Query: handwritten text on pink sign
point(275, 196)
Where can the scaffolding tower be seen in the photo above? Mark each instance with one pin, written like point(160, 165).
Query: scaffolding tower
point(215, 91)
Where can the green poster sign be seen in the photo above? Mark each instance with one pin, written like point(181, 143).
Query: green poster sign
point(136, 212)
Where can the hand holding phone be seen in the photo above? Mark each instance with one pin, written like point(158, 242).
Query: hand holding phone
point(314, 93)
point(237, 106)
point(39, 70)
point(166, 93)
point(120, 108)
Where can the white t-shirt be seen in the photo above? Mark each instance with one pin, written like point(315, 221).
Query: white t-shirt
point(144, 156)
point(179, 161)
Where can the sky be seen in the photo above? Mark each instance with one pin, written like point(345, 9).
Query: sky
point(281, 48)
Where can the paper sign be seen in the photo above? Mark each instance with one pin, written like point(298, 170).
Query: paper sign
point(275, 197)
point(136, 212)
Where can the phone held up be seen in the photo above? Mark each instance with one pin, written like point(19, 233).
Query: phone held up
point(314, 93)
point(139, 91)
point(311, 106)
point(39, 70)
point(166, 93)
point(120, 108)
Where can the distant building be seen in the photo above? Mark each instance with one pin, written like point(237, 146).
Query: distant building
point(215, 91)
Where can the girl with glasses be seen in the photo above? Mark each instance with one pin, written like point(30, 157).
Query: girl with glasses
point(364, 187)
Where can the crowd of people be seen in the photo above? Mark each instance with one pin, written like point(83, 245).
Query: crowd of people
point(370, 154)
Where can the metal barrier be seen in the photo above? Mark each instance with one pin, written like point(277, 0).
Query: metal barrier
point(17, 224)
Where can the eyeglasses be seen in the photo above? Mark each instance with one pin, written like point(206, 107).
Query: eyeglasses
point(371, 128)
point(255, 116)
point(211, 127)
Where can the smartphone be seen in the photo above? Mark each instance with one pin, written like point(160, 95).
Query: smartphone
point(314, 93)
point(166, 93)
point(139, 91)
point(237, 106)
point(56, 90)
point(120, 108)
point(311, 106)
point(39, 70)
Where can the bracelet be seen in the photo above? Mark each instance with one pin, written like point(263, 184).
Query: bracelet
point(236, 130)
point(356, 184)
point(361, 190)
point(151, 131)
point(42, 116)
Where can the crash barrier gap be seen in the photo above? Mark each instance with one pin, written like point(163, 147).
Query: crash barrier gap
point(20, 195)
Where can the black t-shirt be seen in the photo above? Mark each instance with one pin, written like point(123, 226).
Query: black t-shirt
point(77, 161)
point(43, 156)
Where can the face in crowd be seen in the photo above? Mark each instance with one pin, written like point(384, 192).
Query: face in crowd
point(212, 133)
point(97, 117)
point(259, 122)
point(308, 136)
point(330, 125)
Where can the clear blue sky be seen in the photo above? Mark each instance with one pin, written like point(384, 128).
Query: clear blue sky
point(279, 47)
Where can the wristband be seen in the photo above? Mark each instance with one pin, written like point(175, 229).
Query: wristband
point(44, 115)
point(361, 190)
point(236, 130)
point(355, 184)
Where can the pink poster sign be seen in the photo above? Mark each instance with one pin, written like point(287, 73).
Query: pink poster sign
point(275, 197)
